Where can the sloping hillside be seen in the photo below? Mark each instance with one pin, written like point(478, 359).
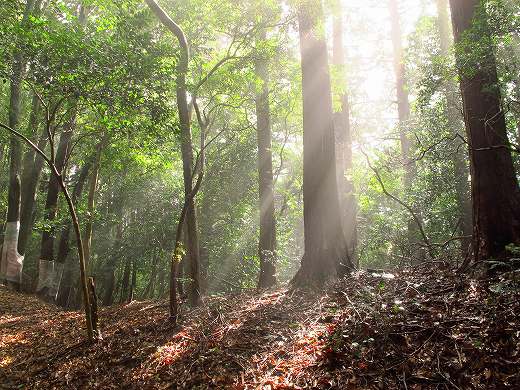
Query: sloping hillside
point(404, 330)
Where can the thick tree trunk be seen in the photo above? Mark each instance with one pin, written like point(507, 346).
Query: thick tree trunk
point(194, 296)
point(325, 245)
point(453, 109)
point(267, 241)
point(343, 137)
point(32, 169)
point(11, 262)
point(494, 186)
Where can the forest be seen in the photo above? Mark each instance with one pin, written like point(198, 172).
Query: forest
point(260, 194)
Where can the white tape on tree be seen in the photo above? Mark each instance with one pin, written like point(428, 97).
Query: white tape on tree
point(12, 262)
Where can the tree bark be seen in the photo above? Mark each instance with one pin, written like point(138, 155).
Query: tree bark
point(194, 296)
point(161, 284)
point(343, 137)
point(267, 241)
point(32, 169)
point(51, 203)
point(133, 282)
point(64, 243)
point(91, 202)
point(125, 283)
point(11, 262)
point(453, 109)
point(494, 185)
point(403, 104)
point(325, 245)
point(110, 276)
point(150, 287)
point(403, 109)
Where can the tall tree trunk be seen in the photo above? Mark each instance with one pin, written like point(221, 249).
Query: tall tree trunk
point(133, 282)
point(91, 202)
point(110, 273)
point(516, 94)
point(150, 287)
point(403, 104)
point(267, 241)
point(125, 282)
point(455, 124)
point(343, 137)
point(194, 296)
point(161, 283)
point(32, 169)
point(11, 262)
point(51, 203)
point(65, 284)
point(204, 264)
point(324, 237)
point(47, 247)
point(494, 186)
point(403, 109)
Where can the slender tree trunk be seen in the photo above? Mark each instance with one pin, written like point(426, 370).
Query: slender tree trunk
point(65, 284)
point(494, 186)
point(51, 203)
point(150, 287)
point(267, 242)
point(324, 237)
point(343, 137)
point(161, 283)
point(133, 282)
point(516, 54)
point(11, 262)
point(91, 202)
point(518, 130)
point(110, 276)
point(403, 104)
point(453, 109)
point(204, 264)
point(180, 275)
point(403, 109)
point(187, 151)
point(64, 244)
point(125, 283)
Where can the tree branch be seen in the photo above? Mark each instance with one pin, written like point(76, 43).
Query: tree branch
point(406, 206)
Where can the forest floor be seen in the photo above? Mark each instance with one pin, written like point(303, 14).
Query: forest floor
point(412, 329)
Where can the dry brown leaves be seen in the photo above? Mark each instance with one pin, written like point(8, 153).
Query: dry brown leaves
point(421, 329)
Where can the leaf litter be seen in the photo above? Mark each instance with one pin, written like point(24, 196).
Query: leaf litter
point(409, 329)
